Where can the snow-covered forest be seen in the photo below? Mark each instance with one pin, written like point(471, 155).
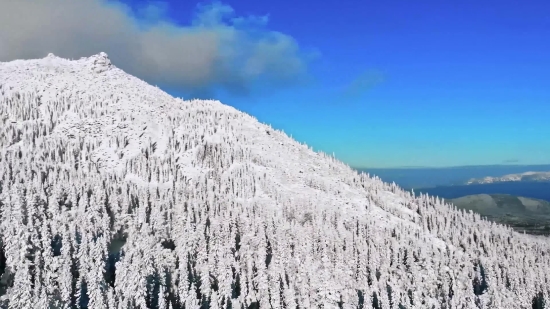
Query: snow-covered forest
point(114, 194)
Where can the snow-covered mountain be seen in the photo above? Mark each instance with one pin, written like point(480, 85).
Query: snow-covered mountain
point(116, 195)
point(527, 176)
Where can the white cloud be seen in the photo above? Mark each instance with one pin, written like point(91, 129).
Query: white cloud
point(363, 83)
point(217, 49)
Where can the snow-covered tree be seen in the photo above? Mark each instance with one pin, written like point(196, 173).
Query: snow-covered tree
point(113, 194)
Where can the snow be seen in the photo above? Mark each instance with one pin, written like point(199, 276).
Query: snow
point(122, 158)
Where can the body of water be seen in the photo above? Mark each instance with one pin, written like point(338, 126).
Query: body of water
point(420, 177)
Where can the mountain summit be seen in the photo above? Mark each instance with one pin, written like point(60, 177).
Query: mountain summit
point(113, 194)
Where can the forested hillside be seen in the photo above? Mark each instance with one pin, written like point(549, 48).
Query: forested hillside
point(113, 194)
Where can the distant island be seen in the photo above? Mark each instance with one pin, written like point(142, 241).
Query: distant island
point(522, 214)
point(526, 176)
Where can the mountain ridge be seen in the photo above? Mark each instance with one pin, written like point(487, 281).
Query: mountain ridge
point(114, 194)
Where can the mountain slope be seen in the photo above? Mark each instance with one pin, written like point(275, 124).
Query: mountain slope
point(116, 195)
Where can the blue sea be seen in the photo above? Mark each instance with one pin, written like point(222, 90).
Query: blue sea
point(449, 182)
point(423, 177)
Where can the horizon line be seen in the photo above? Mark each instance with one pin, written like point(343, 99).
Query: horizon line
point(443, 167)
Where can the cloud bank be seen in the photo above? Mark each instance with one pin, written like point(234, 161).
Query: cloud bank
point(217, 50)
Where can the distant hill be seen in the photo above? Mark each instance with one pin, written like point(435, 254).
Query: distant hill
point(526, 176)
point(521, 213)
point(531, 189)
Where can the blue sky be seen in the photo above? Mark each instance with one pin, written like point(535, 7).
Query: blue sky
point(383, 83)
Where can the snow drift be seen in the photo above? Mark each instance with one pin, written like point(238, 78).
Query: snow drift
point(114, 194)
